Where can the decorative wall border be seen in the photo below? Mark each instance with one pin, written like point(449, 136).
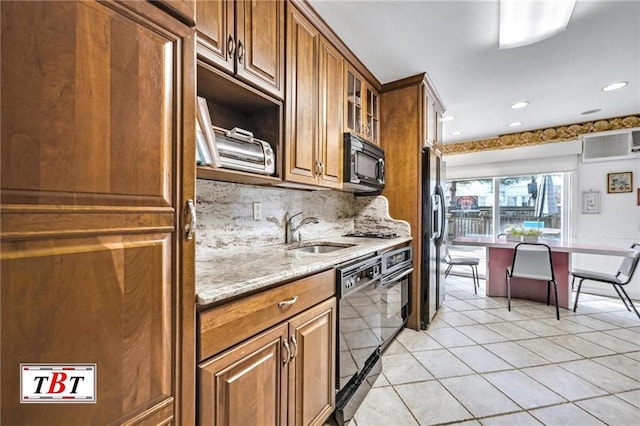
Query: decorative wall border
point(543, 136)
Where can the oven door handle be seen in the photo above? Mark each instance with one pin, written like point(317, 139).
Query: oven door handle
point(396, 277)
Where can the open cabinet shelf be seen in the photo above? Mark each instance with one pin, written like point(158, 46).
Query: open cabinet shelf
point(233, 103)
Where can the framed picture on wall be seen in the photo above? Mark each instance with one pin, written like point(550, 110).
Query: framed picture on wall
point(590, 202)
point(619, 182)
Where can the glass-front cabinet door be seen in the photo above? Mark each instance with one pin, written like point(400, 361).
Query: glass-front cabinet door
point(353, 120)
point(362, 112)
point(373, 116)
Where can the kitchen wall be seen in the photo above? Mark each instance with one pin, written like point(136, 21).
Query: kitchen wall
point(617, 224)
point(225, 215)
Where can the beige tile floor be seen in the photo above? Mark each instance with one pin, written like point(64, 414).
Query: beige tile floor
point(478, 363)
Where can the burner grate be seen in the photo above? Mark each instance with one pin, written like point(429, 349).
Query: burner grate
point(385, 235)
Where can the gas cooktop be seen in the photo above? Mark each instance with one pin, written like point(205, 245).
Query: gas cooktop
point(385, 235)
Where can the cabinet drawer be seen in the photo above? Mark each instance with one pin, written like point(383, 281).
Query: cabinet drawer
point(224, 326)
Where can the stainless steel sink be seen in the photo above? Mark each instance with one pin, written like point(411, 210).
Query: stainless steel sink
point(320, 247)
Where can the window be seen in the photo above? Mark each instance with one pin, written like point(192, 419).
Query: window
point(479, 207)
point(470, 208)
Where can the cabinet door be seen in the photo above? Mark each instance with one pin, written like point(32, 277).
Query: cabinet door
point(312, 367)
point(438, 136)
point(429, 119)
point(97, 161)
point(354, 86)
point(330, 118)
point(372, 113)
point(301, 120)
point(185, 9)
point(215, 26)
point(247, 385)
point(260, 44)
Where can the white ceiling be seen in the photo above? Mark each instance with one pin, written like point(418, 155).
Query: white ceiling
point(456, 43)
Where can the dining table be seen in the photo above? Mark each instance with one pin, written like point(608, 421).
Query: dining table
point(500, 257)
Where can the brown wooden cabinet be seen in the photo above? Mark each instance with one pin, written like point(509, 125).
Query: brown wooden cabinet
point(313, 119)
point(97, 169)
point(432, 120)
point(182, 9)
point(410, 108)
point(312, 365)
point(245, 38)
point(362, 109)
point(284, 375)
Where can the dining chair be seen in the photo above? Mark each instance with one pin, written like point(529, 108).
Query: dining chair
point(622, 277)
point(533, 261)
point(472, 262)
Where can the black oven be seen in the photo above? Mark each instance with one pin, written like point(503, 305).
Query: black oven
point(363, 165)
point(395, 285)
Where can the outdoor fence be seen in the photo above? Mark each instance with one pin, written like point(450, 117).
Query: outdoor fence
point(479, 222)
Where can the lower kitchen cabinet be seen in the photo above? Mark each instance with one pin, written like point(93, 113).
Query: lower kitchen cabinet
point(247, 384)
point(284, 375)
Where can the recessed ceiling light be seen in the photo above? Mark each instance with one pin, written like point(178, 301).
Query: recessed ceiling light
point(591, 111)
point(456, 133)
point(515, 124)
point(615, 86)
point(448, 118)
point(519, 105)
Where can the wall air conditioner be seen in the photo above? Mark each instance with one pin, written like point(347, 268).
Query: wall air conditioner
point(613, 145)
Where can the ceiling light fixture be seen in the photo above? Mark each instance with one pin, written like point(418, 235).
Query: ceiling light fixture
point(519, 105)
point(456, 133)
point(591, 111)
point(448, 118)
point(515, 124)
point(524, 22)
point(615, 86)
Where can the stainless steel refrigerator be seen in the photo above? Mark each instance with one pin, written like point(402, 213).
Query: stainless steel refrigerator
point(433, 235)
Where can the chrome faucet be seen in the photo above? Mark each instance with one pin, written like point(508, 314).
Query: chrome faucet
point(292, 232)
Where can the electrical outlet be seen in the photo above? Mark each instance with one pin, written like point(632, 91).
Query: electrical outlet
point(257, 211)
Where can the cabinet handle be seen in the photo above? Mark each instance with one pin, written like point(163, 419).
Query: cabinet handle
point(190, 228)
point(294, 344)
point(289, 302)
point(285, 360)
point(240, 52)
point(231, 45)
point(321, 168)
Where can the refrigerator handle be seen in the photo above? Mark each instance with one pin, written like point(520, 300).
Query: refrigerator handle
point(441, 215)
point(435, 222)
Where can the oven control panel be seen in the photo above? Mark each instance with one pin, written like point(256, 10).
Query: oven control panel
point(360, 274)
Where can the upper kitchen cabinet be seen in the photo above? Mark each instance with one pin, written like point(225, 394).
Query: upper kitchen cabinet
point(432, 117)
point(184, 10)
point(313, 118)
point(244, 38)
point(362, 109)
point(97, 176)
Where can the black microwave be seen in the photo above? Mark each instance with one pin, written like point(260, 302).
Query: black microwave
point(363, 166)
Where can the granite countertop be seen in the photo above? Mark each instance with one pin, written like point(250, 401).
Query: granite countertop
point(227, 273)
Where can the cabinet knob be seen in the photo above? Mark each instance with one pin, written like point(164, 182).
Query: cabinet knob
point(240, 52)
point(294, 346)
point(285, 359)
point(231, 46)
point(190, 227)
point(288, 302)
